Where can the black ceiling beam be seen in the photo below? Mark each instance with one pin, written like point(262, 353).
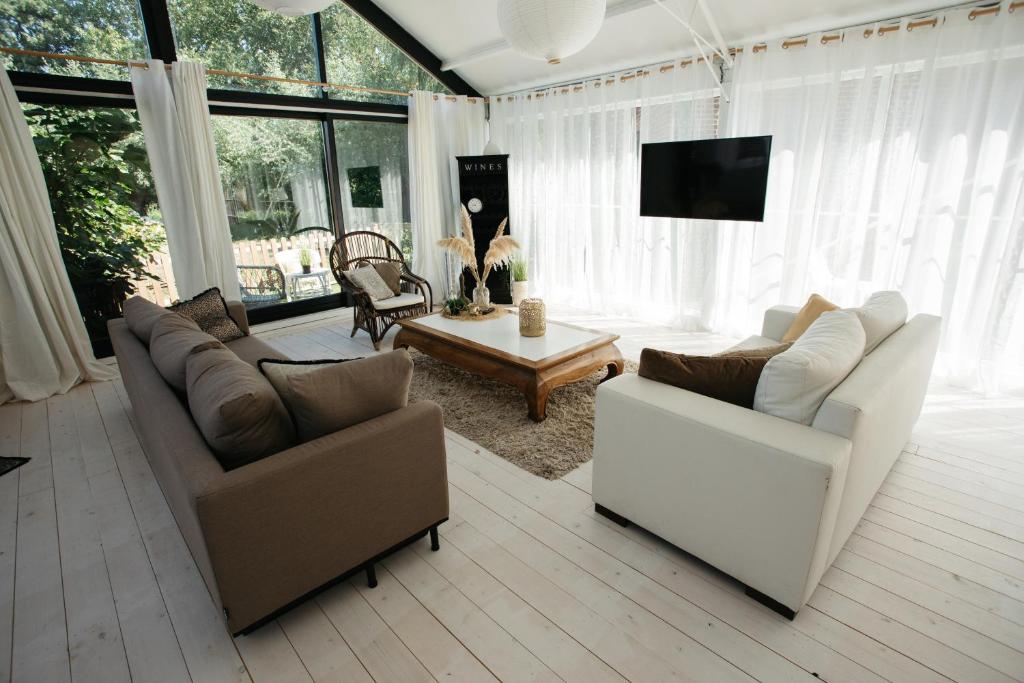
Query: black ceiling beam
point(157, 22)
point(405, 41)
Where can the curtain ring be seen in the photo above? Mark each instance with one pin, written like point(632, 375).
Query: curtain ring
point(868, 32)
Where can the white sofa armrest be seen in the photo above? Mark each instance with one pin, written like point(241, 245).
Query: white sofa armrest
point(777, 320)
point(752, 494)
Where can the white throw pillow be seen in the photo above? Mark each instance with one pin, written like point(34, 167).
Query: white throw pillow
point(881, 315)
point(794, 383)
point(368, 279)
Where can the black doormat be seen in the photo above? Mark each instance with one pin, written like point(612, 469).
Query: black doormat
point(11, 464)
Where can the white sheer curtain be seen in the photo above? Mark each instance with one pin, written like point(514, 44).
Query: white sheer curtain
point(175, 118)
point(440, 128)
point(574, 193)
point(44, 347)
point(897, 162)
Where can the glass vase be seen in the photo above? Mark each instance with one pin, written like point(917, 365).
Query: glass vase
point(482, 296)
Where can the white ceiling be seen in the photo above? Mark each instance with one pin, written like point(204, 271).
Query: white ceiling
point(637, 33)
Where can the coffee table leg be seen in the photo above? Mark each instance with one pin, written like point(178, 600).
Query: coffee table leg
point(401, 340)
point(537, 401)
point(616, 366)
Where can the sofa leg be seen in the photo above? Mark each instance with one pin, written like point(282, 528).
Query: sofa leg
point(771, 604)
point(371, 576)
point(605, 512)
point(435, 544)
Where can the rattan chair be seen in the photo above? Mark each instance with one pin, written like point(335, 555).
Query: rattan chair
point(356, 249)
point(261, 285)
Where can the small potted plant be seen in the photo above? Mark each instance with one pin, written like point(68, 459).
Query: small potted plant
point(305, 260)
point(519, 279)
point(455, 305)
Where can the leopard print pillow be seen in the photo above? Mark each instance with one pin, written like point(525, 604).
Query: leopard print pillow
point(210, 312)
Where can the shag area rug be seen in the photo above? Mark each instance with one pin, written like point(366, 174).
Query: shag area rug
point(493, 415)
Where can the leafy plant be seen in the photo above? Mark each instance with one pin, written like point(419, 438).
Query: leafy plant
point(519, 270)
point(305, 258)
point(456, 305)
point(96, 172)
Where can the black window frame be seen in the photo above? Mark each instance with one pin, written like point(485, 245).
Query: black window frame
point(75, 91)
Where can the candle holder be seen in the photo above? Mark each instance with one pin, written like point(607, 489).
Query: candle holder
point(532, 322)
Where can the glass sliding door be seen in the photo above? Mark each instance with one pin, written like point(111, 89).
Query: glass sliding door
point(272, 170)
point(373, 165)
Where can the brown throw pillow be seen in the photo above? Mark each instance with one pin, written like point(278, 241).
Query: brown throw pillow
point(239, 414)
point(815, 306)
point(391, 273)
point(210, 312)
point(732, 379)
point(173, 341)
point(141, 315)
point(759, 352)
point(324, 396)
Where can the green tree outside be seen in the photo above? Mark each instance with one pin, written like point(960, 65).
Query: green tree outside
point(104, 206)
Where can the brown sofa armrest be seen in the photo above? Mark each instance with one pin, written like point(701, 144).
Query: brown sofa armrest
point(285, 525)
point(236, 309)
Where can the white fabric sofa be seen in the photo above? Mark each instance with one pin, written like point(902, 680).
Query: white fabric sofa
point(768, 501)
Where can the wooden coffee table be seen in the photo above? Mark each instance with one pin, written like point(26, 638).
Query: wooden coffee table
point(494, 348)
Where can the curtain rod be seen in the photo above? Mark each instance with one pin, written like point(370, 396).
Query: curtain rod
point(827, 37)
point(211, 72)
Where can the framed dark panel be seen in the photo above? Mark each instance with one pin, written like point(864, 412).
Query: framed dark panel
point(365, 188)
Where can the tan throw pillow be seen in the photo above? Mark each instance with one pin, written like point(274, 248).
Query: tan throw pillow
point(174, 338)
point(759, 352)
point(141, 315)
point(367, 279)
point(239, 414)
point(324, 396)
point(210, 312)
point(391, 273)
point(732, 379)
point(815, 306)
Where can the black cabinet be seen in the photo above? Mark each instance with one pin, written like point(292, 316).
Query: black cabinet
point(483, 189)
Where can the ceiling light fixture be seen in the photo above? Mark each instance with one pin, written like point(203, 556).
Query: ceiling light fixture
point(294, 8)
point(550, 29)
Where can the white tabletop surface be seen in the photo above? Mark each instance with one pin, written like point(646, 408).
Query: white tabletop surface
point(503, 334)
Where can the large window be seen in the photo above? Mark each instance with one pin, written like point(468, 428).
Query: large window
point(357, 54)
point(110, 29)
point(236, 35)
point(273, 175)
point(293, 170)
point(105, 209)
point(373, 160)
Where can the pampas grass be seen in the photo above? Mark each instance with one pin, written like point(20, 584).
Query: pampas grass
point(461, 249)
point(499, 252)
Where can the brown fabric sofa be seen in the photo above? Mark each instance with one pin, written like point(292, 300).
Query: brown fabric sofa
point(269, 533)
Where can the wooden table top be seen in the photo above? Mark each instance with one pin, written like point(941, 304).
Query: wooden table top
point(499, 338)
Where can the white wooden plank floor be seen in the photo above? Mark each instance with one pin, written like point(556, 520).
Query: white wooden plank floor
point(96, 583)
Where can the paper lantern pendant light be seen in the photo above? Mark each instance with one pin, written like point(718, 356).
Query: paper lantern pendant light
point(294, 8)
point(550, 29)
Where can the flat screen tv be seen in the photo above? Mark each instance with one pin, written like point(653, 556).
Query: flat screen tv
point(719, 179)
